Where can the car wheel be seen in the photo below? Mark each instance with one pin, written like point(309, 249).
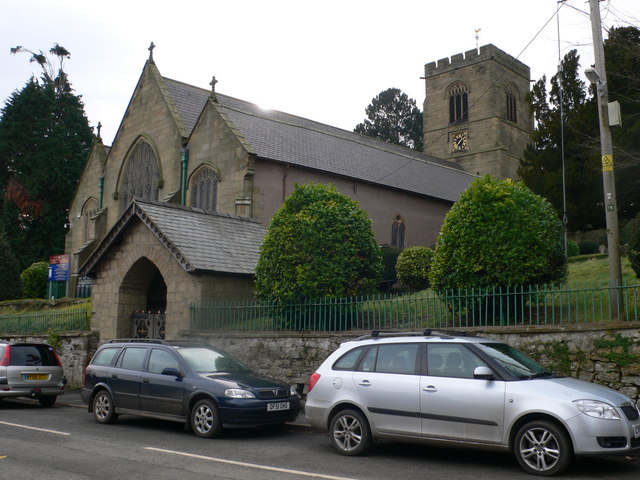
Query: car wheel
point(47, 400)
point(205, 420)
point(350, 433)
point(543, 448)
point(103, 408)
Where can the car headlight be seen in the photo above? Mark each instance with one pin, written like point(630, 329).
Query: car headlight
point(293, 391)
point(238, 393)
point(597, 409)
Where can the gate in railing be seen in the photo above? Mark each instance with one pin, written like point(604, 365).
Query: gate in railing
point(148, 325)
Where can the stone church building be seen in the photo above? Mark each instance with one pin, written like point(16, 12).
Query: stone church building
point(175, 210)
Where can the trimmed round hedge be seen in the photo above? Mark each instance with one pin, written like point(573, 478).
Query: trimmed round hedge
point(320, 244)
point(498, 234)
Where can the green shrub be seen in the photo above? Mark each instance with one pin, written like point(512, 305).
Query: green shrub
point(11, 285)
point(34, 280)
point(588, 247)
point(413, 267)
point(573, 250)
point(499, 234)
point(319, 244)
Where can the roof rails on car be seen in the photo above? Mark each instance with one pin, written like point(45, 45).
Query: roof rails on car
point(175, 343)
point(137, 340)
point(425, 333)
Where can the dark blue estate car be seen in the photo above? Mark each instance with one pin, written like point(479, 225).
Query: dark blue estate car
point(185, 382)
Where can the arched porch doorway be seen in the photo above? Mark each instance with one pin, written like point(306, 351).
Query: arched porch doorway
point(143, 302)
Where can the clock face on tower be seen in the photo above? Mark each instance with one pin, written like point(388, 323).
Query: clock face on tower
point(459, 141)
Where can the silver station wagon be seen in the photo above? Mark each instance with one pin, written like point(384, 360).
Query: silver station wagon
point(442, 387)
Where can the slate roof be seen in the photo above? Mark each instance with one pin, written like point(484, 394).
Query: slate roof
point(199, 240)
point(286, 138)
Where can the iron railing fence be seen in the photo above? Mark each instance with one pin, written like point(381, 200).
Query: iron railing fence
point(523, 305)
point(72, 319)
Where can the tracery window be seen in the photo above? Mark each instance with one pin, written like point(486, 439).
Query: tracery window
point(458, 103)
point(204, 189)
point(142, 176)
point(512, 102)
point(397, 232)
point(89, 210)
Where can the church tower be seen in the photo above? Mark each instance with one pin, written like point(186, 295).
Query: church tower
point(475, 111)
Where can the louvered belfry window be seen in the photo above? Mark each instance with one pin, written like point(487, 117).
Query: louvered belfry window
point(141, 177)
point(204, 189)
point(458, 103)
point(512, 103)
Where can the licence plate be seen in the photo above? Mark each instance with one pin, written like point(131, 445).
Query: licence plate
point(35, 376)
point(276, 407)
point(636, 431)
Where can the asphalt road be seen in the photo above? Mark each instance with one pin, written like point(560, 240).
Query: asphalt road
point(65, 442)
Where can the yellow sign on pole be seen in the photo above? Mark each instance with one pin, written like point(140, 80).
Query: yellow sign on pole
point(607, 163)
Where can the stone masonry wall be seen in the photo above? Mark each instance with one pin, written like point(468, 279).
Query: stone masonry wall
point(605, 354)
point(609, 355)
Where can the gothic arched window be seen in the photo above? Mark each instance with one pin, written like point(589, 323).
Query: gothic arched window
point(89, 210)
point(512, 102)
point(142, 176)
point(204, 189)
point(397, 232)
point(458, 103)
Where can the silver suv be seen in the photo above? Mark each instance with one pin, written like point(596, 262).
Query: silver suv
point(30, 370)
point(444, 387)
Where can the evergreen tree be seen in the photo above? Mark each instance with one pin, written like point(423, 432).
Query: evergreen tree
point(11, 285)
point(541, 167)
point(44, 141)
point(393, 117)
point(622, 53)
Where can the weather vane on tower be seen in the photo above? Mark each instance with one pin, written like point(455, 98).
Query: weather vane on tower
point(477, 30)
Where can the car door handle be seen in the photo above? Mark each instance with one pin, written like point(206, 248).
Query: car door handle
point(430, 388)
point(364, 383)
point(145, 380)
point(114, 375)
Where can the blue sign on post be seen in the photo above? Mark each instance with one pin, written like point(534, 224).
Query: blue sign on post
point(59, 268)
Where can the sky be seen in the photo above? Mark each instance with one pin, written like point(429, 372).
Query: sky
point(322, 60)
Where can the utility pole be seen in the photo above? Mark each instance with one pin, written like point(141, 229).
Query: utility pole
point(598, 76)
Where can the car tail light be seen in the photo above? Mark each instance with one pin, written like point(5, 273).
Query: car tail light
point(313, 380)
point(5, 361)
point(56, 355)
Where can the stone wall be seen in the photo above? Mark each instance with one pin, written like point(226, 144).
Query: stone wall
point(606, 354)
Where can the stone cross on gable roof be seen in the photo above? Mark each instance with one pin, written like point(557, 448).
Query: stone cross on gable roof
point(151, 47)
point(213, 86)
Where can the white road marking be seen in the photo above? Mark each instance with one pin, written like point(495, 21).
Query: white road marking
point(34, 428)
point(249, 465)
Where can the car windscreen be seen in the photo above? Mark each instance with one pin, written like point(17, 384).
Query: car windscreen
point(207, 360)
point(513, 360)
point(33, 355)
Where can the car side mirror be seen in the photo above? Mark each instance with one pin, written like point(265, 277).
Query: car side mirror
point(483, 373)
point(172, 371)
